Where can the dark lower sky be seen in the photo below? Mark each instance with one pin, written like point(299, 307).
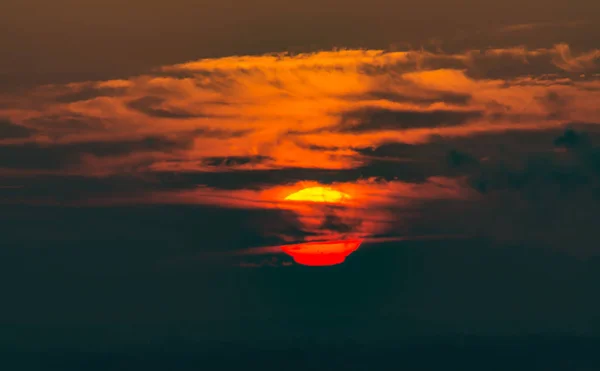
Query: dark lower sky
point(119, 278)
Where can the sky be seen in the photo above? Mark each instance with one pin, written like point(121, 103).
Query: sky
point(147, 150)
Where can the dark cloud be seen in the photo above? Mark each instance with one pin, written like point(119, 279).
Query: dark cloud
point(218, 133)
point(72, 123)
point(511, 64)
point(457, 159)
point(374, 119)
point(59, 156)
point(513, 148)
point(540, 188)
point(486, 62)
point(458, 99)
point(496, 153)
point(547, 170)
point(73, 188)
point(415, 61)
point(152, 106)
point(535, 26)
point(392, 161)
point(254, 179)
point(416, 162)
point(234, 160)
point(557, 105)
point(67, 122)
point(8, 130)
point(334, 223)
point(545, 198)
point(91, 92)
point(508, 63)
point(78, 188)
point(571, 139)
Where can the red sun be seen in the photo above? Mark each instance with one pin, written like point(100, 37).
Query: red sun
point(321, 253)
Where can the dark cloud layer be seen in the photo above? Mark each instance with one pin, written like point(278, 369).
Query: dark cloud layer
point(429, 98)
point(61, 124)
point(543, 194)
point(8, 130)
point(234, 160)
point(151, 106)
point(61, 156)
point(376, 119)
point(90, 92)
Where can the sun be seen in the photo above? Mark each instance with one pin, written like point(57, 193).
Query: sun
point(321, 253)
point(318, 194)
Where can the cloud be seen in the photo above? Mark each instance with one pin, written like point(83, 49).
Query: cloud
point(588, 61)
point(417, 137)
point(8, 130)
point(57, 125)
point(89, 91)
point(546, 198)
point(235, 160)
point(555, 104)
point(313, 110)
point(521, 27)
point(379, 119)
point(571, 139)
point(152, 106)
point(65, 156)
point(217, 133)
point(425, 99)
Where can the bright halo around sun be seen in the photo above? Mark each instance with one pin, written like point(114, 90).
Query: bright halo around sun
point(319, 194)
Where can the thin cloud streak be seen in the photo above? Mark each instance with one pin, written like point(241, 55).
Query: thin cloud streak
point(277, 250)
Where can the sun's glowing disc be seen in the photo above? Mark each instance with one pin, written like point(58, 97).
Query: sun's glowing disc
point(318, 194)
point(321, 253)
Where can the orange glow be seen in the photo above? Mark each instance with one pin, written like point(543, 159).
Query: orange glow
point(318, 194)
point(321, 253)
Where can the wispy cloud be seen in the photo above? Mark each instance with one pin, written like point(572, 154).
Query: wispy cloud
point(520, 27)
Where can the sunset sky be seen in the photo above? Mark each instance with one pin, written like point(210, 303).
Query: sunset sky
point(147, 149)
